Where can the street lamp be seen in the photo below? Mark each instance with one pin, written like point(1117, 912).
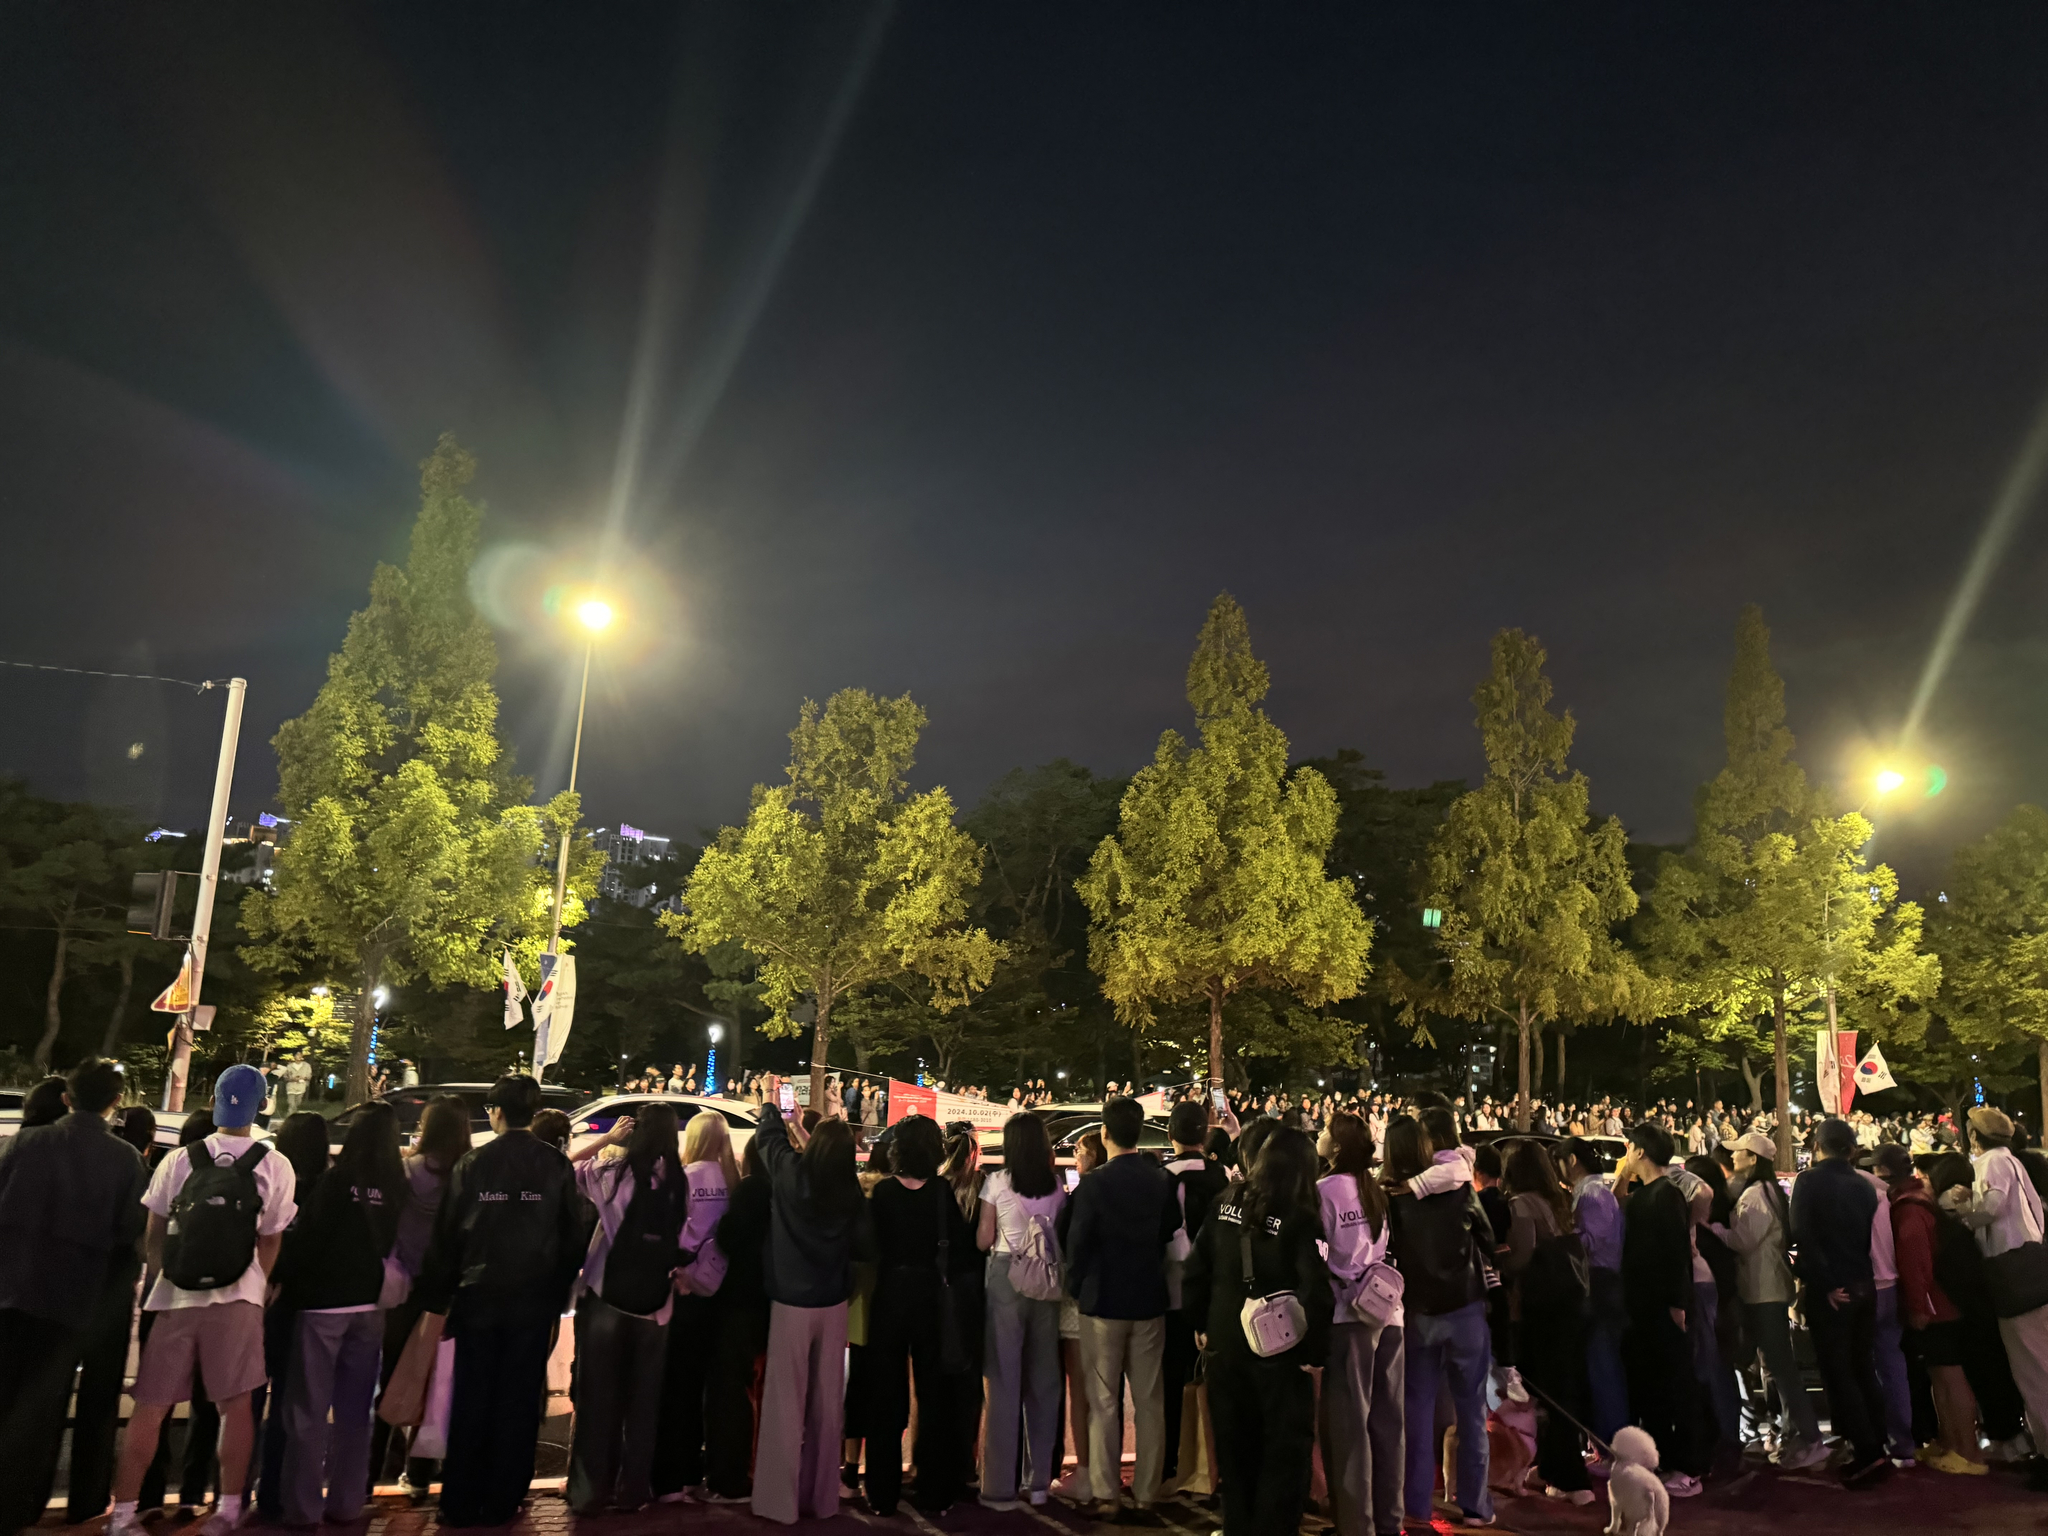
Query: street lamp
point(595, 615)
point(1889, 779)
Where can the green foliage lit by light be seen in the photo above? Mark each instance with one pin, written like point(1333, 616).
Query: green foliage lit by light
point(1992, 935)
point(413, 852)
point(1214, 880)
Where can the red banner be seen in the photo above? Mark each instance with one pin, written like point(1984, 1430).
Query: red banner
point(909, 1099)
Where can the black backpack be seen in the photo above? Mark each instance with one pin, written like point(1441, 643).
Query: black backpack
point(638, 1270)
point(211, 1241)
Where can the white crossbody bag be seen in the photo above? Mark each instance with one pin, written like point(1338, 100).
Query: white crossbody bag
point(1272, 1324)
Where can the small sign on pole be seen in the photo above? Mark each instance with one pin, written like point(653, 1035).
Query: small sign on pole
point(177, 997)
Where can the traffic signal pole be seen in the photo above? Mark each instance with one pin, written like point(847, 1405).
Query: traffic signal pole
point(209, 881)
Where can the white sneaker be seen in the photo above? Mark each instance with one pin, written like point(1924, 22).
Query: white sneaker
point(1076, 1487)
point(1682, 1485)
point(125, 1525)
point(1576, 1496)
point(223, 1524)
point(1793, 1457)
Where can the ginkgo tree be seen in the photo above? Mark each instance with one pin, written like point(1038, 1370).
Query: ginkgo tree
point(1992, 935)
point(1214, 880)
point(1528, 887)
point(413, 851)
point(1773, 911)
point(841, 878)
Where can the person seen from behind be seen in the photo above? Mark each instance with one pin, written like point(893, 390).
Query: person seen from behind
point(705, 1428)
point(1833, 1207)
point(1760, 1234)
point(216, 1214)
point(1933, 1322)
point(1657, 1292)
point(1021, 1204)
point(1359, 1425)
point(1546, 1267)
point(2006, 1215)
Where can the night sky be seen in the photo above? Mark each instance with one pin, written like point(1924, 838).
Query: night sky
point(971, 350)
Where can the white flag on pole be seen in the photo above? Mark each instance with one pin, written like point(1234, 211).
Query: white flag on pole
point(1872, 1075)
point(515, 993)
point(562, 1011)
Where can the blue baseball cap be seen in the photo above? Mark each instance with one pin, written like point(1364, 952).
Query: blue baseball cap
point(237, 1096)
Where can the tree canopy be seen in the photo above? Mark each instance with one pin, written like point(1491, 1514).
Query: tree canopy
point(1992, 935)
point(1214, 880)
point(1529, 888)
point(413, 850)
point(842, 878)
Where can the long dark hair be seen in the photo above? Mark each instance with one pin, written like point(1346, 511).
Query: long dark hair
point(829, 1169)
point(1351, 1152)
point(1530, 1171)
point(1408, 1152)
point(1283, 1181)
point(1027, 1156)
point(370, 1159)
point(44, 1104)
point(917, 1148)
point(303, 1141)
point(653, 1149)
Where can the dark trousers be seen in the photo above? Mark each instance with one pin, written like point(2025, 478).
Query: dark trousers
point(1552, 1357)
point(1664, 1394)
point(705, 1430)
point(903, 1338)
point(501, 1370)
point(37, 1359)
point(1845, 1348)
point(1265, 1417)
point(267, 1410)
point(619, 1364)
point(98, 1411)
point(1176, 1370)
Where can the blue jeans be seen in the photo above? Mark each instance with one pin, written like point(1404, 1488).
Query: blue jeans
point(1890, 1361)
point(1457, 1346)
point(1606, 1375)
point(1714, 1373)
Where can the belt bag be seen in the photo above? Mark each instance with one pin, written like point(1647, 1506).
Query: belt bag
point(1378, 1296)
point(1272, 1324)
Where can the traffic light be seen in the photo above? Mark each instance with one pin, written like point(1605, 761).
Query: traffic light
point(151, 897)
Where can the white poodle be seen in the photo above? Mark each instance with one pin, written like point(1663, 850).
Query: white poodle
point(1640, 1505)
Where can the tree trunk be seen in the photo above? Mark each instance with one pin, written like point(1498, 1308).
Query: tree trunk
point(1536, 1077)
point(1215, 1045)
point(1755, 1079)
point(862, 1054)
point(112, 1043)
point(357, 1088)
point(1783, 1066)
point(1522, 1022)
point(821, 1041)
point(53, 1015)
point(2041, 1065)
point(1560, 1064)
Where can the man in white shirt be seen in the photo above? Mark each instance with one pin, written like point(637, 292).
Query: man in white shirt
point(297, 1076)
point(217, 1330)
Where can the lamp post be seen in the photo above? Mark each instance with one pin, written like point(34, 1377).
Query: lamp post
point(595, 615)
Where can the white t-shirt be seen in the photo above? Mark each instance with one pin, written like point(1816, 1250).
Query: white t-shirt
point(1014, 1211)
point(276, 1184)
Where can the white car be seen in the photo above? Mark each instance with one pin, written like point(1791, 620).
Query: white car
point(597, 1117)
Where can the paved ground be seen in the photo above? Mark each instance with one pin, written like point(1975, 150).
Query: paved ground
point(1909, 1502)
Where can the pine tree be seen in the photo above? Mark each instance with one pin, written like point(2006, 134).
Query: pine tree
point(1527, 887)
point(1214, 880)
point(412, 851)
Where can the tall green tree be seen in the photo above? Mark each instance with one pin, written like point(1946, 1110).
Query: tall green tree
point(1529, 888)
point(413, 850)
point(1772, 911)
point(1214, 880)
point(841, 878)
point(1992, 936)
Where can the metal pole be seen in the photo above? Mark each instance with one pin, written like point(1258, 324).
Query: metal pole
point(209, 882)
point(540, 1067)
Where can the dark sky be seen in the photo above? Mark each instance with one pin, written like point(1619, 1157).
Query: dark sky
point(970, 350)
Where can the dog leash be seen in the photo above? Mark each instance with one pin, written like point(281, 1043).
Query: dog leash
point(1559, 1408)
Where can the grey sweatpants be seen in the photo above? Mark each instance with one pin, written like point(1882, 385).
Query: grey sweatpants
point(619, 1362)
point(1359, 1422)
point(1021, 1361)
point(335, 1361)
point(803, 1414)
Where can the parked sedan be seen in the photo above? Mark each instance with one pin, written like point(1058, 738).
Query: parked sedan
point(597, 1117)
point(411, 1103)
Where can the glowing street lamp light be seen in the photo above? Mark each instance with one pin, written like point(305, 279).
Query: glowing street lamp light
point(596, 614)
point(1889, 779)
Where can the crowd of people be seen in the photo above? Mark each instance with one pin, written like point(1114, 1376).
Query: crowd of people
point(1340, 1304)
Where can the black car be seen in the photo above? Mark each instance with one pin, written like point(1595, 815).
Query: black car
point(411, 1103)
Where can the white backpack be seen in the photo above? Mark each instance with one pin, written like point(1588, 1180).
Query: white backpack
point(1035, 1269)
point(1272, 1324)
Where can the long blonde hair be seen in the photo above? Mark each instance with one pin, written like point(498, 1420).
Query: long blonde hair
point(706, 1140)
